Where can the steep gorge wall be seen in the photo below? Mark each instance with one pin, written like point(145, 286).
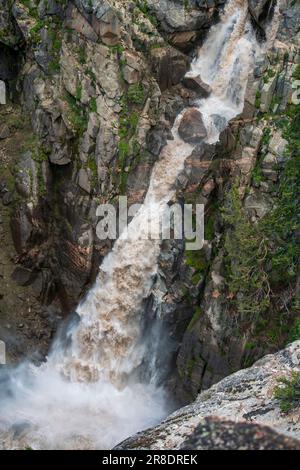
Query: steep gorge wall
point(102, 86)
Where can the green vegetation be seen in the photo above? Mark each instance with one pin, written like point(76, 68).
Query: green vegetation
point(136, 94)
point(14, 121)
point(245, 254)
point(288, 392)
point(258, 99)
point(145, 9)
point(30, 143)
point(78, 93)
point(77, 114)
point(294, 334)
point(195, 318)
point(54, 66)
point(268, 75)
point(262, 259)
point(35, 31)
point(283, 224)
point(296, 74)
point(117, 49)
point(92, 76)
point(82, 58)
point(92, 166)
point(31, 6)
point(129, 152)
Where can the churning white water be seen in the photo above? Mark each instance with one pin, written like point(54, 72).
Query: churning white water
point(88, 394)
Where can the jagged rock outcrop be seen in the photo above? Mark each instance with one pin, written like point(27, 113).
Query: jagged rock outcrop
point(220, 434)
point(184, 23)
point(197, 85)
point(248, 396)
point(192, 128)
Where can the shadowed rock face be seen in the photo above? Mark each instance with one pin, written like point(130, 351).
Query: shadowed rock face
point(54, 222)
point(248, 396)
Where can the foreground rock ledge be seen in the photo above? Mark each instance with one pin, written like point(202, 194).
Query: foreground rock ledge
point(233, 405)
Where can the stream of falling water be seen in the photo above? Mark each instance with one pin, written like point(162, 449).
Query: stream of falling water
point(87, 395)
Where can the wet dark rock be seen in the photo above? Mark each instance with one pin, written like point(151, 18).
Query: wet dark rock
point(157, 139)
point(196, 84)
point(218, 434)
point(219, 122)
point(192, 128)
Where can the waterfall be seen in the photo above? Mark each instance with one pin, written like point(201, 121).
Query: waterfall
point(87, 394)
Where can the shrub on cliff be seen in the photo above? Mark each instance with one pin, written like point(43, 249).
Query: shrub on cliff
point(288, 392)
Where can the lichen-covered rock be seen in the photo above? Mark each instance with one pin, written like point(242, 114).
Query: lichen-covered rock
point(247, 396)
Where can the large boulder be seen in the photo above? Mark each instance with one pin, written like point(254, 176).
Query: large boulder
point(192, 128)
point(9, 32)
point(169, 66)
point(198, 85)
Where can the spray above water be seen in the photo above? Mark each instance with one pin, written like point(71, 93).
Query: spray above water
point(88, 394)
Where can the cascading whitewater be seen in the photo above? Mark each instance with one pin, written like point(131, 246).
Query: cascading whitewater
point(104, 345)
point(87, 395)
